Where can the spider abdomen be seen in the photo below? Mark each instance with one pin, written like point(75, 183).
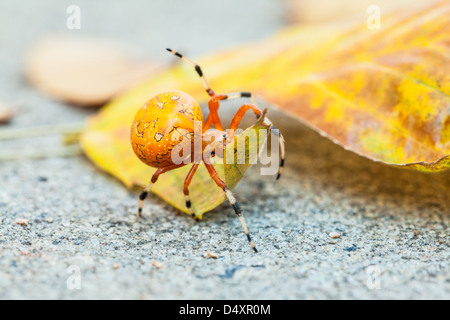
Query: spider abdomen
point(161, 124)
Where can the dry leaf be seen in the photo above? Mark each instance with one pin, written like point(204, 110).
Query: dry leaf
point(383, 94)
point(83, 70)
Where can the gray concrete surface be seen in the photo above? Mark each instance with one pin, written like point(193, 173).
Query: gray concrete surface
point(394, 223)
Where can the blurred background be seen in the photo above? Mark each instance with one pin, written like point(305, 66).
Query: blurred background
point(146, 28)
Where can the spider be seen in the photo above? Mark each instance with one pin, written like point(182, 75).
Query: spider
point(168, 116)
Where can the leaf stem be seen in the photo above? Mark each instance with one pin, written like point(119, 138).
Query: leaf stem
point(66, 151)
point(63, 129)
point(70, 132)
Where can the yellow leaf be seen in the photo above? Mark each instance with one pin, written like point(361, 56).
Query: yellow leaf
point(384, 94)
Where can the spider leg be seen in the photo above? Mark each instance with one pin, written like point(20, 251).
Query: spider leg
point(237, 95)
point(209, 91)
point(282, 153)
point(240, 114)
point(213, 116)
point(187, 182)
point(155, 176)
point(237, 119)
point(231, 199)
point(197, 68)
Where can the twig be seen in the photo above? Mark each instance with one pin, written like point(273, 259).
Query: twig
point(20, 133)
point(66, 151)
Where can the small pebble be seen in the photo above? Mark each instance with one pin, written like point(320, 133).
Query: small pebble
point(6, 114)
point(212, 255)
point(22, 222)
point(352, 248)
point(157, 264)
point(334, 235)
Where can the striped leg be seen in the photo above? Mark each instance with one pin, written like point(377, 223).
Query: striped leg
point(142, 197)
point(238, 95)
point(209, 91)
point(148, 188)
point(213, 117)
point(232, 200)
point(197, 69)
point(187, 182)
point(282, 152)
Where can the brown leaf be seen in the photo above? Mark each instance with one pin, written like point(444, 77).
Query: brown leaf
point(383, 94)
point(82, 70)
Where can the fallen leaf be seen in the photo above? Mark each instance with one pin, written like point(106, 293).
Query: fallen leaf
point(383, 94)
point(83, 70)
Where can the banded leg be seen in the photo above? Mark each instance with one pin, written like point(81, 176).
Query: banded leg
point(213, 117)
point(282, 152)
point(237, 95)
point(155, 176)
point(232, 200)
point(209, 91)
point(187, 182)
point(197, 68)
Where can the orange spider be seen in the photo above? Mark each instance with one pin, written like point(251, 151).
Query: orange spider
point(166, 118)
